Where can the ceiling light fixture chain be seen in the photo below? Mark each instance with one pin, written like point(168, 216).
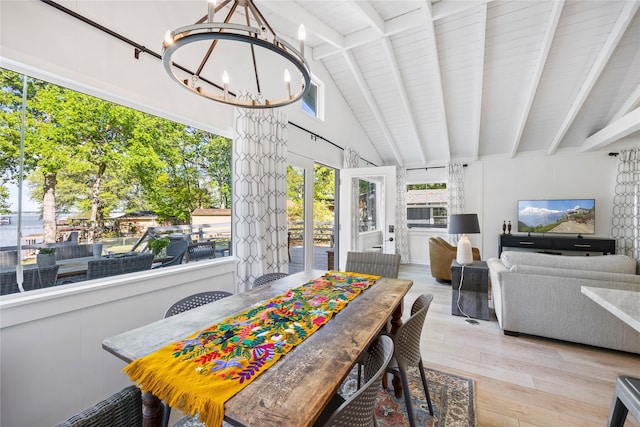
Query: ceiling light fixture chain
point(252, 29)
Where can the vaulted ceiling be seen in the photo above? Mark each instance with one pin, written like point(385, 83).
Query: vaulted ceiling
point(451, 80)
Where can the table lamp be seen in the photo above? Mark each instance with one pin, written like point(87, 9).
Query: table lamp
point(464, 224)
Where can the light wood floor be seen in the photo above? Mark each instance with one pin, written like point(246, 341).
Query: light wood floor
point(520, 381)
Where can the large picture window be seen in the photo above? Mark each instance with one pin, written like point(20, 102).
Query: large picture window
point(99, 172)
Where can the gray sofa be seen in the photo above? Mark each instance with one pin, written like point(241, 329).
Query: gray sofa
point(539, 294)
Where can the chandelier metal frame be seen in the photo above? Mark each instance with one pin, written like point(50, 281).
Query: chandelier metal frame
point(263, 37)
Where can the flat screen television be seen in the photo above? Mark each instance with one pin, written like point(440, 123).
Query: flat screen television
point(562, 216)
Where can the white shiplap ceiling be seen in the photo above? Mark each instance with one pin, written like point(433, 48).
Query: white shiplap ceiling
point(440, 81)
point(451, 80)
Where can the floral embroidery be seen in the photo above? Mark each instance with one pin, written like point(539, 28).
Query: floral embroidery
point(215, 363)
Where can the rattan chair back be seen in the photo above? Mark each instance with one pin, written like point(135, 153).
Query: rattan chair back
point(407, 338)
point(376, 263)
point(123, 409)
point(195, 300)
point(358, 410)
point(406, 351)
point(267, 278)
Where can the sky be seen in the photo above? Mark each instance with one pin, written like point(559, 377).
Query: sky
point(27, 204)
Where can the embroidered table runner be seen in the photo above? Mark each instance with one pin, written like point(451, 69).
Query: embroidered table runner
point(200, 373)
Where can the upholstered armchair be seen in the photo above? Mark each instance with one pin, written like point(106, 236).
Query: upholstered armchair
point(441, 253)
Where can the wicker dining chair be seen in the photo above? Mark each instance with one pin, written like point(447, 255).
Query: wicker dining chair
point(359, 408)
point(375, 263)
point(195, 300)
point(406, 351)
point(268, 278)
point(123, 409)
point(186, 304)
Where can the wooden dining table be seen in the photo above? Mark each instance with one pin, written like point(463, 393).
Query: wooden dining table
point(294, 391)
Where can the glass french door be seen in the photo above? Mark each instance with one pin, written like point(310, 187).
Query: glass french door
point(311, 221)
point(296, 190)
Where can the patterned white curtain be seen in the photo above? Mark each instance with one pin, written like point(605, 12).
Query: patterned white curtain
point(625, 221)
point(455, 185)
point(402, 233)
point(260, 194)
point(352, 160)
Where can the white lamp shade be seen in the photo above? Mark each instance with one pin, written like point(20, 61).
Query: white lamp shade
point(464, 255)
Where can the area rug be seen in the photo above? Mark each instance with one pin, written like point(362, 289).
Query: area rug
point(452, 397)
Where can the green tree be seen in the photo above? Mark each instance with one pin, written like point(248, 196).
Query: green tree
point(84, 153)
point(323, 193)
point(4, 200)
point(217, 157)
point(295, 194)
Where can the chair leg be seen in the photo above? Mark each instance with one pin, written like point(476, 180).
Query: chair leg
point(407, 396)
point(426, 387)
point(166, 414)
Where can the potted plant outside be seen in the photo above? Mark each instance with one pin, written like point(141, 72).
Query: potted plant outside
point(157, 244)
point(46, 257)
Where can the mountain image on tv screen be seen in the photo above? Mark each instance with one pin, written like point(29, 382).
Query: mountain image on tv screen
point(569, 216)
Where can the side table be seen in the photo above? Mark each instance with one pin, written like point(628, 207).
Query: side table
point(473, 292)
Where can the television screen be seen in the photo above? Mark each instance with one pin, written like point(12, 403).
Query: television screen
point(568, 216)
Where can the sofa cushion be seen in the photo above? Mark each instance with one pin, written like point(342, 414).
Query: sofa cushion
point(577, 274)
point(606, 263)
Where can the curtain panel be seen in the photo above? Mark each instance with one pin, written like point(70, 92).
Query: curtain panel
point(260, 194)
point(625, 220)
point(455, 185)
point(352, 160)
point(402, 230)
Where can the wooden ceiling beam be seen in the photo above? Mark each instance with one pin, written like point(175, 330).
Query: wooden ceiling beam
point(549, 34)
point(626, 16)
point(366, 93)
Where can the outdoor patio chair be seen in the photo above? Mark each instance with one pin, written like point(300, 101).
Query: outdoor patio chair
point(8, 258)
point(123, 409)
point(268, 278)
point(32, 278)
point(137, 262)
point(104, 268)
point(406, 351)
point(359, 408)
point(186, 304)
point(376, 263)
point(176, 249)
point(42, 277)
point(201, 250)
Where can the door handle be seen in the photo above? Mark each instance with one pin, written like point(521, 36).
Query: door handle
point(391, 239)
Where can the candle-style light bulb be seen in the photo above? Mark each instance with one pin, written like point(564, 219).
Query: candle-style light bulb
point(168, 40)
point(302, 35)
point(225, 81)
point(287, 82)
point(211, 10)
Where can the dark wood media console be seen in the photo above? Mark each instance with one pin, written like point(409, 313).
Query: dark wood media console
point(556, 244)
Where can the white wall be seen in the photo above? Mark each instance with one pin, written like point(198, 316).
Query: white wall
point(493, 188)
point(52, 363)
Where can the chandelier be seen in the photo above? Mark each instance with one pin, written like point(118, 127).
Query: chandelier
point(256, 66)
